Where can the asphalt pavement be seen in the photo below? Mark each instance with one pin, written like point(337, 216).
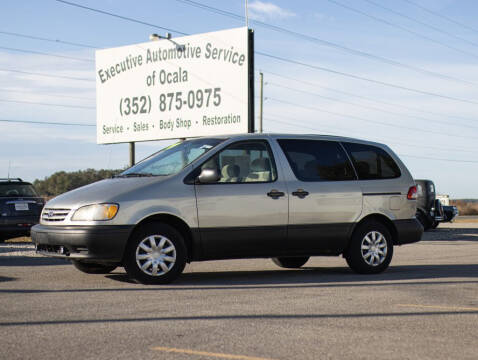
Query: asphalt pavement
point(425, 306)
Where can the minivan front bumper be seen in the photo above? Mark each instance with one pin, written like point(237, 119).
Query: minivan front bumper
point(408, 231)
point(102, 243)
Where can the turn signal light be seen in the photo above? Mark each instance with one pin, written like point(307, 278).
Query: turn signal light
point(412, 193)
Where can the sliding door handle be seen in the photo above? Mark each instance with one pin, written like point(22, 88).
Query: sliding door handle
point(275, 194)
point(300, 193)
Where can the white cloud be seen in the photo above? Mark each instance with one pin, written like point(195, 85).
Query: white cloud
point(266, 10)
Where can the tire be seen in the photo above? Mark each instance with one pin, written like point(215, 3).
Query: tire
point(146, 260)
point(93, 268)
point(377, 256)
point(435, 224)
point(423, 220)
point(290, 262)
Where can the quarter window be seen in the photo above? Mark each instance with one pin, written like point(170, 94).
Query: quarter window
point(317, 160)
point(244, 162)
point(372, 162)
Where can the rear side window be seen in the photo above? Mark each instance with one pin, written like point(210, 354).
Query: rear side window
point(317, 160)
point(372, 162)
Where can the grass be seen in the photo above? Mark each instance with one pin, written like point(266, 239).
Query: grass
point(22, 239)
point(465, 207)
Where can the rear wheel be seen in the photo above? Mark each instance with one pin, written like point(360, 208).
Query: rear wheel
point(423, 220)
point(155, 254)
point(371, 248)
point(93, 268)
point(290, 262)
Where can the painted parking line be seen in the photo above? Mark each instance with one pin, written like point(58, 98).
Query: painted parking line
point(438, 307)
point(205, 353)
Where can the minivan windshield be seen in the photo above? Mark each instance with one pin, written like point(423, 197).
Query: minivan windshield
point(172, 159)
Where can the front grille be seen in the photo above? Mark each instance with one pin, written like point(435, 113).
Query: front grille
point(54, 214)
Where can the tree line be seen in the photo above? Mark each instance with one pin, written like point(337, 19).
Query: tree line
point(63, 181)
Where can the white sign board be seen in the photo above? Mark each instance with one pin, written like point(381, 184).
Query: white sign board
point(156, 90)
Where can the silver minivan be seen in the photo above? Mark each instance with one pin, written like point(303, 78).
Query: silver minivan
point(285, 197)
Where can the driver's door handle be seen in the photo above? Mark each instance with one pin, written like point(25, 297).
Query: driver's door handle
point(275, 194)
point(300, 193)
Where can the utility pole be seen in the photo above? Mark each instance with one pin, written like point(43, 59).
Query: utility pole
point(261, 100)
point(131, 153)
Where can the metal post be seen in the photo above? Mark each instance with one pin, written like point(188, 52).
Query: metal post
point(131, 153)
point(261, 100)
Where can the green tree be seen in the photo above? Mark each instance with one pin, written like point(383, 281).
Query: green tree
point(62, 181)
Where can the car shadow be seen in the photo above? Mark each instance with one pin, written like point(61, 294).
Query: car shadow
point(309, 277)
point(6, 278)
point(30, 261)
point(451, 234)
point(319, 277)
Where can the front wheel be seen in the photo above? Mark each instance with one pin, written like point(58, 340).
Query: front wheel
point(93, 268)
point(290, 262)
point(371, 248)
point(155, 254)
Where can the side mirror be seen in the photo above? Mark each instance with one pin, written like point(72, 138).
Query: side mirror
point(208, 176)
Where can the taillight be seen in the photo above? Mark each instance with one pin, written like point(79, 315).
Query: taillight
point(412, 193)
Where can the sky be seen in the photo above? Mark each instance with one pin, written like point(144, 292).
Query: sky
point(422, 56)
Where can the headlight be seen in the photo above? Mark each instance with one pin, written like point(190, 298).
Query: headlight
point(97, 212)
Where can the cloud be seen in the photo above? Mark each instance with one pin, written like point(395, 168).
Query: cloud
point(260, 10)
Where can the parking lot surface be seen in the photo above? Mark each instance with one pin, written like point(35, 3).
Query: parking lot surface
point(425, 306)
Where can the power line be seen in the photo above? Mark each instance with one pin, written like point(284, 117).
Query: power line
point(120, 17)
point(323, 42)
point(391, 141)
point(48, 104)
point(46, 75)
point(421, 22)
point(400, 106)
point(440, 159)
point(368, 120)
point(23, 91)
point(33, 37)
point(441, 16)
point(383, 21)
point(369, 107)
point(46, 54)
point(44, 122)
point(320, 68)
point(287, 60)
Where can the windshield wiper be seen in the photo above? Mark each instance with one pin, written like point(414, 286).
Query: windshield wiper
point(134, 175)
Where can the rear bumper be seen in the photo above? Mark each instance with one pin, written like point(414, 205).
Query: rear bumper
point(100, 243)
point(450, 213)
point(12, 226)
point(408, 231)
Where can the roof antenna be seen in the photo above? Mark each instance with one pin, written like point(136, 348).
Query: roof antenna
point(9, 163)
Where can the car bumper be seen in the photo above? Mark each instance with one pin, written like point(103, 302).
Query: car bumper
point(17, 226)
point(408, 231)
point(105, 243)
point(451, 212)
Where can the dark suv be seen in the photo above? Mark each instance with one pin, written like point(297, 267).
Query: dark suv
point(20, 208)
point(430, 211)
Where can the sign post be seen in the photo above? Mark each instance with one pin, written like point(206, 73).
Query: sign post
point(198, 85)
